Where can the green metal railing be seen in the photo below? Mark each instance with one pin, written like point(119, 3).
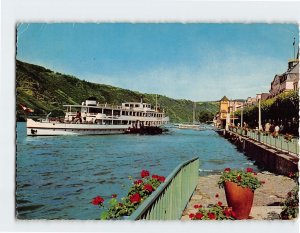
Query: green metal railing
point(171, 197)
point(279, 142)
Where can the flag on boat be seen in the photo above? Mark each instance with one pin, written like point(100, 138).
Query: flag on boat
point(26, 109)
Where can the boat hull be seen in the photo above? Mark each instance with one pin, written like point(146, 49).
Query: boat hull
point(55, 129)
point(187, 126)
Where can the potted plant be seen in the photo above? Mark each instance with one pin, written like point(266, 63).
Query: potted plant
point(239, 188)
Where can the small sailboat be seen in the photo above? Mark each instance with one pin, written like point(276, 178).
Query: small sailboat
point(194, 125)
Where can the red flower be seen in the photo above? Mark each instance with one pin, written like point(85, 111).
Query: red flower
point(254, 173)
point(155, 176)
point(114, 195)
point(192, 216)
point(197, 206)
point(198, 215)
point(137, 182)
point(262, 182)
point(211, 216)
point(291, 174)
point(249, 169)
point(227, 212)
point(239, 178)
point(135, 198)
point(233, 214)
point(289, 194)
point(227, 169)
point(220, 203)
point(97, 200)
point(217, 195)
point(145, 173)
point(161, 179)
point(148, 187)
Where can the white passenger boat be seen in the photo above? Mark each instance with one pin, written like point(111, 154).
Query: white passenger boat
point(93, 118)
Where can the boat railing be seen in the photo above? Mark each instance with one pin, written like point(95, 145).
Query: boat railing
point(171, 197)
point(109, 106)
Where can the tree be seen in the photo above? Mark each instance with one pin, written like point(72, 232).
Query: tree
point(205, 116)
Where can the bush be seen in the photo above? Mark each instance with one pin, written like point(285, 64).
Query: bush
point(291, 204)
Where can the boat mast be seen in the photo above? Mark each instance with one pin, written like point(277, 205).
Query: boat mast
point(194, 114)
point(155, 102)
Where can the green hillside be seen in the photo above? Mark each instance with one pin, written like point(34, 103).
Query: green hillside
point(47, 91)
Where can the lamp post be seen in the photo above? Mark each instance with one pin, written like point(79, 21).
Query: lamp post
point(242, 108)
point(259, 112)
point(233, 109)
point(228, 117)
point(227, 120)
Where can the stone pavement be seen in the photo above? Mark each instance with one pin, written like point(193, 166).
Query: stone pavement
point(267, 199)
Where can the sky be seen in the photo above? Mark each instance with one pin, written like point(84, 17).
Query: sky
point(194, 61)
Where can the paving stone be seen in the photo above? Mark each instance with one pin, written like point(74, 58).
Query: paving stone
point(267, 199)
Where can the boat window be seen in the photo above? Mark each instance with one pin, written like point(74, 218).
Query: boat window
point(95, 110)
point(107, 112)
point(137, 105)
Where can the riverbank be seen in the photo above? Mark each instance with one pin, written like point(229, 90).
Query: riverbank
point(267, 199)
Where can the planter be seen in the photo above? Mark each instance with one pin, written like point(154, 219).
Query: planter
point(240, 199)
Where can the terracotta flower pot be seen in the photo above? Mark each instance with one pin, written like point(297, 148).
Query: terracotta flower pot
point(240, 199)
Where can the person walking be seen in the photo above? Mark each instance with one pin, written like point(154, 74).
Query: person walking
point(276, 131)
point(267, 127)
point(78, 117)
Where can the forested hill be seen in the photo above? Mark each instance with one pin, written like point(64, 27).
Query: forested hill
point(46, 91)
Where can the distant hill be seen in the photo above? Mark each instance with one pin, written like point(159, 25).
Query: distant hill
point(47, 91)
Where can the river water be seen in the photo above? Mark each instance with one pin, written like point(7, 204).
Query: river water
point(56, 177)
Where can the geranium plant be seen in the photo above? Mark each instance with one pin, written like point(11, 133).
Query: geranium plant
point(291, 204)
point(138, 192)
point(245, 179)
point(213, 212)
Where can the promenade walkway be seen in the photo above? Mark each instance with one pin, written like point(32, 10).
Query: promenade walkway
point(267, 199)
